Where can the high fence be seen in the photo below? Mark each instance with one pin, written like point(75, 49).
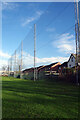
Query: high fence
point(34, 50)
point(23, 57)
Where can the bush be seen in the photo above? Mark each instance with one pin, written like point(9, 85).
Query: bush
point(18, 76)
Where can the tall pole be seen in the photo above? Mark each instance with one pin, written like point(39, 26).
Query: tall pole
point(21, 58)
point(76, 56)
point(34, 51)
point(79, 43)
point(11, 63)
point(78, 40)
point(15, 65)
point(8, 67)
point(76, 34)
point(78, 31)
point(76, 61)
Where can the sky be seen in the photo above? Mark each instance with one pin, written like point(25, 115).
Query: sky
point(55, 31)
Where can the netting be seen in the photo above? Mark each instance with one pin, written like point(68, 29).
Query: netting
point(23, 57)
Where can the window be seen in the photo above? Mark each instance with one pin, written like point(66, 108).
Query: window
point(69, 65)
point(72, 59)
point(59, 68)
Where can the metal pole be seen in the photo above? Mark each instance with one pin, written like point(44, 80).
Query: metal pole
point(76, 56)
point(36, 73)
point(78, 30)
point(79, 44)
point(15, 65)
point(78, 40)
point(11, 63)
point(8, 67)
point(21, 58)
point(34, 50)
point(76, 33)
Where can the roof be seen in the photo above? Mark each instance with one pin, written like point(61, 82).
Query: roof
point(57, 64)
point(28, 69)
point(63, 64)
point(41, 67)
point(51, 64)
point(48, 66)
point(74, 55)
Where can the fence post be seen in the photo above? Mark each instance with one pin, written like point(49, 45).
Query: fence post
point(21, 59)
point(15, 65)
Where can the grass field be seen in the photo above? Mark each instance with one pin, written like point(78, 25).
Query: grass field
point(40, 99)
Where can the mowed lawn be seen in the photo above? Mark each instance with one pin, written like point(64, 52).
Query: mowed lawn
point(40, 99)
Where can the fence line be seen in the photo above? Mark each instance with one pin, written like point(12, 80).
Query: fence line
point(24, 56)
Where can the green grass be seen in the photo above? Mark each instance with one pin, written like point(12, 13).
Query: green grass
point(40, 99)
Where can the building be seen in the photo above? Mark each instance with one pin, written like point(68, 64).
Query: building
point(41, 71)
point(62, 68)
point(55, 66)
point(72, 61)
point(48, 70)
point(28, 73)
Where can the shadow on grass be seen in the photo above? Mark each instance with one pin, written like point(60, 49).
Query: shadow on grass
point(38, 99)
point(44, 88)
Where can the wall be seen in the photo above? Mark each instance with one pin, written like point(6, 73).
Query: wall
point(41, 74)
point(28, 76)
point(70, 63)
